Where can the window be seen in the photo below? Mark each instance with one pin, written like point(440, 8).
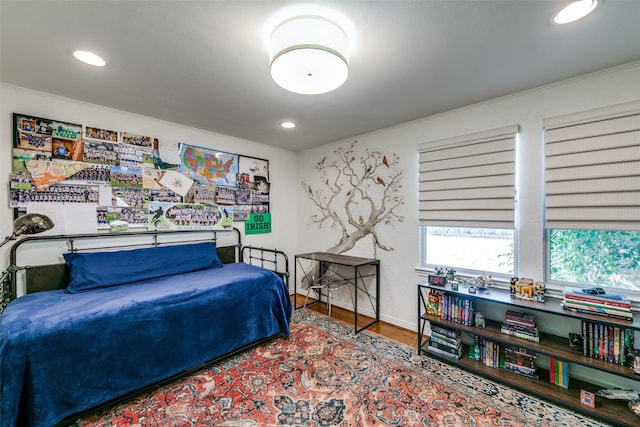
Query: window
point(467, 202)
point(592, 200)
point(601, 257)
point(477, 250)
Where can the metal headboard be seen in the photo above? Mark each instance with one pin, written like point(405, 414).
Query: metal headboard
point(56, 276)
point(271, 259)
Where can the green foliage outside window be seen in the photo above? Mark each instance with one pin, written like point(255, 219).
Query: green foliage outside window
point(596, 257)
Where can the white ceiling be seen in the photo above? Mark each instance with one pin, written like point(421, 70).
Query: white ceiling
point(205, 63)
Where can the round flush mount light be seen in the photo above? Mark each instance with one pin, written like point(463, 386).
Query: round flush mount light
point(309, 55)
point(575, 10)
point(288, 125)
point(89, 58)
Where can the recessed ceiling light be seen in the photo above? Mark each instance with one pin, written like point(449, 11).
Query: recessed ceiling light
point(288, 125)
point(574, 11)
point(89, 58)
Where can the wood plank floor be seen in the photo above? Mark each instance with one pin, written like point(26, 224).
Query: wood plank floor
point(388, 330)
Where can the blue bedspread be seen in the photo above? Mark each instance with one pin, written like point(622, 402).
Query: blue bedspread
point(63, 353)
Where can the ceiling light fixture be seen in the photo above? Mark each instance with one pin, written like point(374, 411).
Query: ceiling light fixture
point(89, 58)
point(574, 11)
point(288, 125)
point(309, 55)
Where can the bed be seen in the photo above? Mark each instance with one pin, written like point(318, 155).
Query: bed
point(114, 319)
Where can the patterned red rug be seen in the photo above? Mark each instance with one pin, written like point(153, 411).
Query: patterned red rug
point(333, 379)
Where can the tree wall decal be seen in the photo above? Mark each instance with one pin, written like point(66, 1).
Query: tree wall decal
point(356, 194)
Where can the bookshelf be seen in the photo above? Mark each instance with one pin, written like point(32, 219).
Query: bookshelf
point(552, 346)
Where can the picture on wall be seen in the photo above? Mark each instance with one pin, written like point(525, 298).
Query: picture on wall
point(207, 166)
point(116, 179)
point(253, 187)
point(188, 216)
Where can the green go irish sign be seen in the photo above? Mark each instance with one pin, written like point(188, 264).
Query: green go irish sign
point(258, 223)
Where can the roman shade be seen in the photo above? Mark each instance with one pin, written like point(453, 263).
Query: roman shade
point(592, 169)
point(469, 180)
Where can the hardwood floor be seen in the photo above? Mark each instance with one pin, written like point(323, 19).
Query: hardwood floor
point(388, 330)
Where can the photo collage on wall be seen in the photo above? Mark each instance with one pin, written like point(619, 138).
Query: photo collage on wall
point(121, 177)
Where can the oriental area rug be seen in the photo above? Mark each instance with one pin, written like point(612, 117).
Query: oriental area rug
point(336, 378)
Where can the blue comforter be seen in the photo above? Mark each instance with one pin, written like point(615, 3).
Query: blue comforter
point(61, 353)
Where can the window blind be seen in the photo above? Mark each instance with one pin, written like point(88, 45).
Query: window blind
point(592, 169)
point(469, 180)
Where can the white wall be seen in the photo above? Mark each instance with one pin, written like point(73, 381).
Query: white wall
point(282, 163)
point(527, 109)
point(292, 210)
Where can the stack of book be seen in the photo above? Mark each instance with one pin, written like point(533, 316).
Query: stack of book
point(521, 325)
point(606, 304)
point(520, 361)
point(606, 342)
point(445, 341)
point(559, 372)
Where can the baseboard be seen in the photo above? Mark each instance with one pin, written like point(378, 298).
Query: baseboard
point(387, 319)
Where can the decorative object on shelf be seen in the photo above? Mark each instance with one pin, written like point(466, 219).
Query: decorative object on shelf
point(575, 341)
point(451, 274)
point(433, 305)
point(26, 224)
point(454, 285)
point(634, 405)
point(483, 282)
point(525, 288)
point(558, 372)
point(618, 394)
point(472, 289)
point(587, 398)
point(480, 320)
point(540, 288)
point(437, 279)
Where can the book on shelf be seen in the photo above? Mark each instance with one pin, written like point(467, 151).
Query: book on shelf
point(436, 337)
point(617, 303)
point(521, 370)
point(520, 351)
point(520, 317)
point(607, 297)
point(519, 333)
point(606, 342)
point(519, 358)
point(453, 349)
point(558, 372)
point(444, 352)
point(520, 324)
point(607, 304)
point(450, 333)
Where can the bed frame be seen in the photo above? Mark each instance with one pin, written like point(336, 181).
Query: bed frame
point(45, 277)
point(42, 276)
